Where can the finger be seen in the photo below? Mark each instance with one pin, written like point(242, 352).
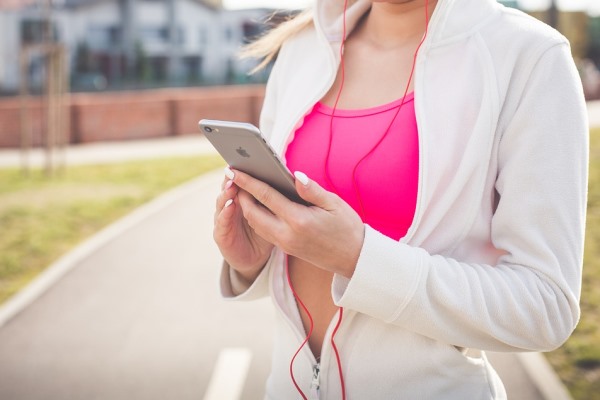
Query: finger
point(228, 176)
point(265, 194)
point(224, 220)
point(229, 191)
point(264, 222)
point(313, 193)
point(225, 180)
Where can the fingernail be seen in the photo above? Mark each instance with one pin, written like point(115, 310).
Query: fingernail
point(229, 173)
point(228, 203)
point(228, 184)
point(301, 176)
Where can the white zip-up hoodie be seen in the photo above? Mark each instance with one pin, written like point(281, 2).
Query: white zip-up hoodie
point(493, 258)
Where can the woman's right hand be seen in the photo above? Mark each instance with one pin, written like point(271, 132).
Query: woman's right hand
point(242, 248)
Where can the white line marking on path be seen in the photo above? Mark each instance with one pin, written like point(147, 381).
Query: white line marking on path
point(229, 375)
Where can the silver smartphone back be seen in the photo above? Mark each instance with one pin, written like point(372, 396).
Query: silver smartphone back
point(244, 148)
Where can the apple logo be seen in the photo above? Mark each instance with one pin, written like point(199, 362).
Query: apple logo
point(242, 152)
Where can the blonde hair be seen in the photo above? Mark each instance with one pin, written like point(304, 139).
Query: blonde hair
point(267, 46)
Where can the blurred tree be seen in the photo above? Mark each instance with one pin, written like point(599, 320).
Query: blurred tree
point(593, 51)
point(84, 61)
point(142, 65)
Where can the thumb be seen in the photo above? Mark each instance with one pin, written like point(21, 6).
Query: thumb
point(312, 192)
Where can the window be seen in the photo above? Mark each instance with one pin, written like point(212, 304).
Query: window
point(33, 31)
point(161, 34)
point(115, 35)
point(203, 38)
point(154, 34)
point(228, 34)
point(180, 35)
point(101, 37)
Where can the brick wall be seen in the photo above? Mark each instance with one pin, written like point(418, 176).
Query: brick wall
point(134, 115)
point(10, 122)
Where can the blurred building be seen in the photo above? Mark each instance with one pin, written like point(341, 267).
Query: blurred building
point(509, 3)
point(128, 42)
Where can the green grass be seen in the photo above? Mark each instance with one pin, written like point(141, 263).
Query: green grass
point(578, 361)
point(42, 218)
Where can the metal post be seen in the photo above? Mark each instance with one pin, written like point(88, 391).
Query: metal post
point(49, 70)
point(50, 109)
point(65, 119)
point(25, 112)
point(174, 55)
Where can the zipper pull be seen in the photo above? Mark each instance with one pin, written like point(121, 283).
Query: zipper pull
point(314, 386)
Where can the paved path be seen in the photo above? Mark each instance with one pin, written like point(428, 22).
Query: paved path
point(137, 315)
point(108, 152)
point(138, 318)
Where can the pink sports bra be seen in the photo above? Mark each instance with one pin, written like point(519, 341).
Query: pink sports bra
point(382, 188)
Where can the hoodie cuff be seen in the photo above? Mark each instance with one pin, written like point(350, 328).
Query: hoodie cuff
point(233, 287)
point(385, 279)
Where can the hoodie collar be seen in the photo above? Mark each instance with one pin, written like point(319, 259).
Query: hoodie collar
point(451, 19)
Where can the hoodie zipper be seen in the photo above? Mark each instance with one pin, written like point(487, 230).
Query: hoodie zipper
point(314, 391)
point(315, 384)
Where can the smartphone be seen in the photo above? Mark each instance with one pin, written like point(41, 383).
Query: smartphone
point(244, 148)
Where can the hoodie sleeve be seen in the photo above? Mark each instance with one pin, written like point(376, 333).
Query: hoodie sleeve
point(529, 300)
point(234, 288)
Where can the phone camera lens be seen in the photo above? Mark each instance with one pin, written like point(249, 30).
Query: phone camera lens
point(208, 129)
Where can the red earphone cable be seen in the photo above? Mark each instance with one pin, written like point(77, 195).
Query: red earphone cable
point(328, 177)
point(337, 98)
point(354, 183)
point(337, 326)
point(337, 353)
point(356, 190)
point(287, 272)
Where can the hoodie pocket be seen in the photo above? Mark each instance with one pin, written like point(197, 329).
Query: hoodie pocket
point(459, 362)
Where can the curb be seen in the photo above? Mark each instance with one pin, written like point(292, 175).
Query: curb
point(111, 152)
point(52, 274)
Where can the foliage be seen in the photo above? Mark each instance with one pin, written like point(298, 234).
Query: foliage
point(141, 64)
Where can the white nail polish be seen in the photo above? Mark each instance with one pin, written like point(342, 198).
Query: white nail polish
point(301, 176)
point(229, 173)
point(228, 203)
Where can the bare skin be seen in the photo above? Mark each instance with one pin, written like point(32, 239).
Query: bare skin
point(370, 48)
point(324, 239)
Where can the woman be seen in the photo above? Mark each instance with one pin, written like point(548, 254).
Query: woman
point(448, 192)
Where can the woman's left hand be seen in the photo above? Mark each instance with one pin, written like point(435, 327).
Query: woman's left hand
point(328, 234)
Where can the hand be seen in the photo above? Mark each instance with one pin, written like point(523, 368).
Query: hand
point(328, 234)
point(242, 248)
